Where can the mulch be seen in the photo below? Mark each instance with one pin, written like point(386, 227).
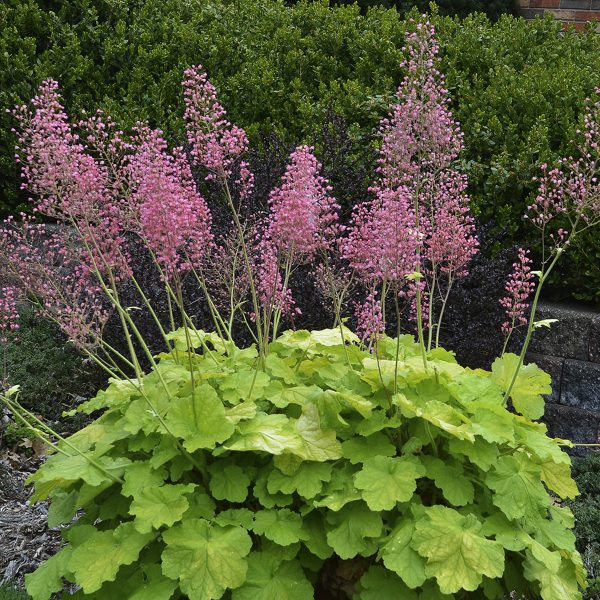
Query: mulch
point(25, 539)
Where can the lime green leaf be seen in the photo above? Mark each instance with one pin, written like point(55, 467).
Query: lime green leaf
point(47, 578)
point(529, 387)
point(235, 516)
point(470, 387)
point(359, 449)
point(479, 452)
point(63, 507)
point(154, 586)
point(555, 585)
point(241, 412)
point(451, 479)
point(441, 415)
point(269, 500)
point(457, 553)
point(281, 396)
point(154, 507)
point(99, 558)
point(558, 478)
point(270, 433)
point(140, 475)
point(203, 427)
point(317, 444)
point(385, 481)
point(279, 368)
point(495, 426)
point(307, 480)
point(271, 579)
point(313, 525)
point(378, 583)
point(340, 490)
point(243, 385)
point(72, 468)
point(228, 482)
point(202, 506)
point(534, 437)
point(350, 528)
point(206, 559)
point(509, 534)
point(400, 557)
point(555, 532)
point(282, 526)
point(517, 486)
point(287, 463)
point(377, 422)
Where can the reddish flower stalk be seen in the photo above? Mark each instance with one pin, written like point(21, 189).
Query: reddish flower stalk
point(9, 315)
point(519, 287)
point(370, 325)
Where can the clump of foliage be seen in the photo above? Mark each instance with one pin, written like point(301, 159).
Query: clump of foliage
point(9, 592)
point(251, 480)
point(492, 9)
point(222, 470)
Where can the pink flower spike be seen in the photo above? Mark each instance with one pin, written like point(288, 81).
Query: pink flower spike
point(519, 287)
point(216, 144)
point(304, 217)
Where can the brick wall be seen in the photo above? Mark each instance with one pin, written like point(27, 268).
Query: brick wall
point(571, 12)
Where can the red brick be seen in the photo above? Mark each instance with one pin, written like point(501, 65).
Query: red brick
point(577, 25)
point(544, 3)
point(587, 15)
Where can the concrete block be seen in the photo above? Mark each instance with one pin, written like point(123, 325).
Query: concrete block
point(572, 424)
point(580, 385)
point(569, 337)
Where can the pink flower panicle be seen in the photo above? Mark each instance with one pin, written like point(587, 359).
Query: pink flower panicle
point(304, 217)
point(519, 287)
point(269, 283)
point(217, 145)
point(174, 220)
point(383, 239)
point(9, 315)
point(420, 136)
point(46, 264)
point(572, 188)
point(69, 185)
point(369, 319)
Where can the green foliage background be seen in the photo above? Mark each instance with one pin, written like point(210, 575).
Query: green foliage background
point(517, 88)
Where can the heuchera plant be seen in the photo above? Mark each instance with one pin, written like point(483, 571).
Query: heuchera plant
point(374, 462)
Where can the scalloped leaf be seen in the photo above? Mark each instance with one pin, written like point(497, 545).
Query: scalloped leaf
point(206, 559)
point(103, 553)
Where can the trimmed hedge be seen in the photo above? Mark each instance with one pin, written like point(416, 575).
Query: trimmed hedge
point(492, 8)
point(517, 87)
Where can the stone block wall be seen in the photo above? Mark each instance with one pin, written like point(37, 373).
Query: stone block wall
point(574, 13)
point(570, 352)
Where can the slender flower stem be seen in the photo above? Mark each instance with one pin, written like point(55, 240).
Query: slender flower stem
point(543, 278)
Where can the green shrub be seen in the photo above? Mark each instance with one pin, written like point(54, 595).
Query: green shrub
point(263, 481)
point(518, 88)
point(50, 372)
point(9, 592)
point(492, 8)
